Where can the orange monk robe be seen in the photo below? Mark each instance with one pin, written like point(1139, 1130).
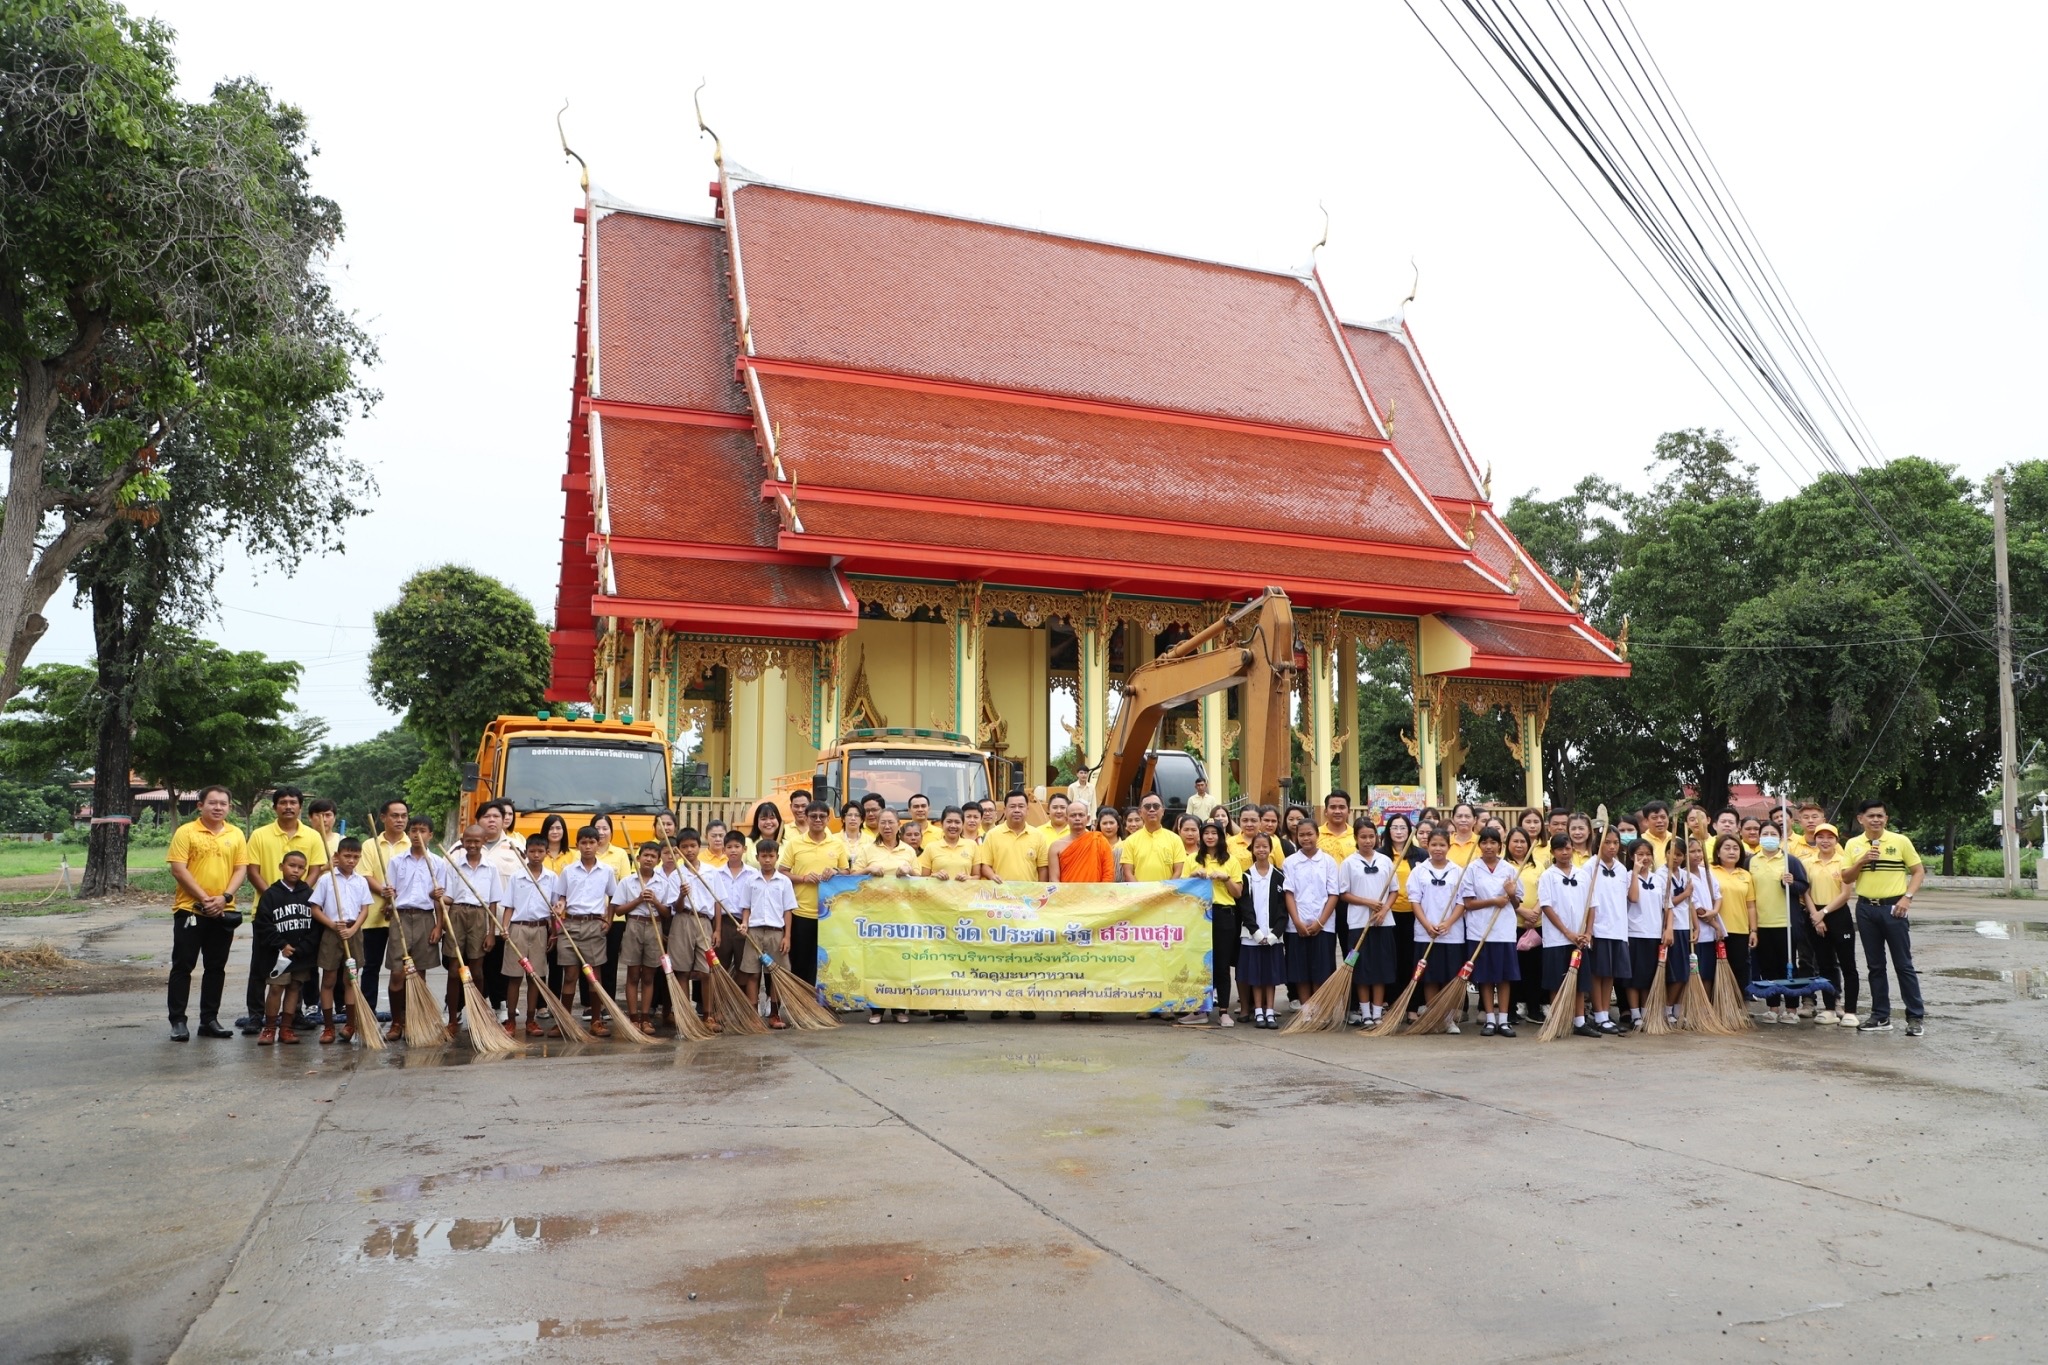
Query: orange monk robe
point(1087, 858)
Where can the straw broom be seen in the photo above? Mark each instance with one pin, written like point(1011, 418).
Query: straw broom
point(1390, 1022)
point(622, 1022)
point(491, 1035)
point(422, 1010)
point(1696, 1011)
point(735, 1013)
point(1325, 1010)
point(358, 1006)
point(565, 1019)
point(1557, 1020)
point(1453, 993)
point(799, 1003)
point(1728, 1008)
point(1660, 997)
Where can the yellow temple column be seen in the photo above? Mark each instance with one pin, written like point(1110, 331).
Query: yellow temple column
point(1428, 696)
point(1321, 729)
point(607, 698)
point(831, 691)
point(966, 614)
point(1214, 707)
point(1530, 718)
point(1092, 629)
point(759, 732)
point(1347, 717)
point(641, 710)
point(1450, 749)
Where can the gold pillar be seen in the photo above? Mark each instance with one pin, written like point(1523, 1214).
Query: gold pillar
point(1321, 728)
point(1450, 750)
point(608, 693)
point(1428, 697)
point(1347, 716)
point(641, 710)
point(1214, 707)
point(1092, 629)
point(967, 626)
point(758, 734)
point(831, 685)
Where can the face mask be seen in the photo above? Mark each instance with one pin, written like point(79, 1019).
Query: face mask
point(1769, 843)
point(1627, 839)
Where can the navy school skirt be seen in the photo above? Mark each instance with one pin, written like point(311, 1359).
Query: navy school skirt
point(1379, 958)
point(1678, 967)
point(1642, 957)
point(1446, 957)
point(1498, 962)
point(1556, 962)
point(1259, 965)
point(1311, 958)
point(1609, 958)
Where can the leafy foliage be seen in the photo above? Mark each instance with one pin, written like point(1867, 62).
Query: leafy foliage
point(359, 778)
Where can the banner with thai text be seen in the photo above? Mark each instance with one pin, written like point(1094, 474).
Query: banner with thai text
point(919, 943)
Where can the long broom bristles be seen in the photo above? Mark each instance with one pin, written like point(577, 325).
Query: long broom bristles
point(728, 1003)
point(689, 1024)
point(799, 1001)
point(564, 1017)
point(1563, 1005)
point(362, 1019)
point(1390, 1022)
point(1696, 1011)
point(486, 1034)
point(622, 1022)
point(422, 1011)
point(1659, 999)
point(1448, 997)
point(1728, 1006)
point(1325, 1010)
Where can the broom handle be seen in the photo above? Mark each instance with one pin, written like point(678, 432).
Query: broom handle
point(737, 923)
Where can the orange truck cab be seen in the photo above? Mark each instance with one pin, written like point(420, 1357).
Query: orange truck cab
point(576, 769)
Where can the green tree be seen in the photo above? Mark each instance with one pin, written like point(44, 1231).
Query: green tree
point(214, 715)
point(456, 650)
point(50, 723)
point(359, 778)
point(159, 275)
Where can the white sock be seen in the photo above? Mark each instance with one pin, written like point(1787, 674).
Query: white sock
point(1578, 1021)
point(1636, 1015)
point(1599, 1016)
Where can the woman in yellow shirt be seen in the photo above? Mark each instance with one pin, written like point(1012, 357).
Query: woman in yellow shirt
point(949, 855)
point(1527, 993)
point(608, 853)
point(1464, 833)
point(560, 851)
point(1738, 904)
point(887, 856)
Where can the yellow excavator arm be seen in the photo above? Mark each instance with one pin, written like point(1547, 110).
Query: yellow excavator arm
point(1261, 660)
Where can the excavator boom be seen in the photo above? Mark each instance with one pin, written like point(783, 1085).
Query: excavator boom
point(1259, 658)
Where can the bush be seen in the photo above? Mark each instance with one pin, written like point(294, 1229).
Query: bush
point(1984, 862)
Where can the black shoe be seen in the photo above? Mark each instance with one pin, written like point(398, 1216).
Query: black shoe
point(1585, 1030)
point(249, 1023)
point(1506, 1030)
point(1533, 1015)
point(1489, 1030)
point(383, 1016)
point(1606, 1028)
point(179, 1033)
point(1027, 1014)
point(998, 1014)
point(210, 1028)
point(1875, 1026)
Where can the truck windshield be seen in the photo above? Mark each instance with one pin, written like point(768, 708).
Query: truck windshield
point(898, 774)
point(627, 776)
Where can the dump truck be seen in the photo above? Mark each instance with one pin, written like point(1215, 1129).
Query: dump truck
point(898, 763)
point(575, 769)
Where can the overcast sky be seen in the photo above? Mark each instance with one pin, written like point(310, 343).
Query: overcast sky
point(1889, 158)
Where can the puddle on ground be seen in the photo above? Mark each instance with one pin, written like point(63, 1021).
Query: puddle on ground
point(1040, 1061)
point(2023, 983)
point(1075, 1132)
point(436, 1239)
point(413, 1187)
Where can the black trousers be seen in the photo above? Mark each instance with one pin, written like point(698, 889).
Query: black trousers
point(1528, 992)
point(261, 959)
point(491, 974)
point(1773, 961)
point(369, 965)
point(197, 938)
point(1738, 961)
point(1883, 932)
point(803, 948)
point(1834, 957)
point(608, 970)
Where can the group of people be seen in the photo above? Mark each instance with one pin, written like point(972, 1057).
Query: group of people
point(1293, 890)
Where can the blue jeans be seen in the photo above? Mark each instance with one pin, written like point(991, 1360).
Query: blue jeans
point(1880, 929)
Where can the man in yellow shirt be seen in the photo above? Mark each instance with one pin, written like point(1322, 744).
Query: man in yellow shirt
point(1335, 837)
point(379, 852)
point(1833, 936)
point(1799, 843)
point(1882, 872)
point(209, 860)
point(1014, 851)
point(267, 847)
point(812, 856)
point(1656, 827)
point(1152, 852)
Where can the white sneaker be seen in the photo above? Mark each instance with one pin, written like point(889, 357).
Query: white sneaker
point(1294, 1007)
point(1770, 1016)
point(1225, 1020)
point(1450, 1026)
point(1828, 1017)
point(1848, 1020)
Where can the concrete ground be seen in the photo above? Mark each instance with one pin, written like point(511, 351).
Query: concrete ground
point(1034, 1191)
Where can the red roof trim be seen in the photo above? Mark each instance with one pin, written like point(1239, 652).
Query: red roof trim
point(1110, 521)
point(743, 619)
point(653, 412)
point(691, 549)
point(1026, 398)
point(1062, 567)
point(1517, 666)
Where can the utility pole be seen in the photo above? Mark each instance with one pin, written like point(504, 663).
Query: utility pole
point(2008, 736)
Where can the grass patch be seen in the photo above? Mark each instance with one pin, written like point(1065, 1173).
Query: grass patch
point(147, 884)
point(31, 860)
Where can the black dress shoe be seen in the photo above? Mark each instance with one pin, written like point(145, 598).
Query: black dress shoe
point(210, 1028)
point(179, 1033)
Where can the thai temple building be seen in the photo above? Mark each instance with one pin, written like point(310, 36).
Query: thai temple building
point(834, 463)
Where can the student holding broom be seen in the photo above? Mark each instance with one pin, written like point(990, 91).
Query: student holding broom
point(1493, 885)
point(533, 897)
point(1312, 886)
point(1706, 910)
point(1678, 926)
point(694, 915)
point(1564, 903)
point(413, 879)
point(1433, 888)
point(1649, 926)
point(341, 902)
point(769, 901)
point(1610, 960)
point(1370, 879)
point(637, 899)
point(471, 892)
point(586, 900)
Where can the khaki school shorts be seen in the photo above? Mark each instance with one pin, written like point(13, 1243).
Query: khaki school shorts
point(330, 950)
point(641, 947)
point(418, 925)
point(469, 925)
point(588, 931)
point(528, 939)
point(761, 943)
point(689, 934)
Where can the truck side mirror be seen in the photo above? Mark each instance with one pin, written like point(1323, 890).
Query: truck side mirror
point(470, 777)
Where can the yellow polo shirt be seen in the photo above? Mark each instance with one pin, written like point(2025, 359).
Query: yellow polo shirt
point(1152, 854)
point(1737, 891)
point(211, 859)
point(1773, 910)
point(803, 855)
point(1463, 854)
point(1824, 876)
point(269, 844)
point(1662, 845)
point(1340, 844)
point(879, 860)
point(1018, 857)
point(1886, 878)
point(376, 862)
point(955, 860)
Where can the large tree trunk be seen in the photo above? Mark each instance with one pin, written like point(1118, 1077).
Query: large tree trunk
point(1948, 850)
point(1715, 767)
point(119, 639)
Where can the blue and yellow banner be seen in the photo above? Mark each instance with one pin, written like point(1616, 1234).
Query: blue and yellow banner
point(917, 943)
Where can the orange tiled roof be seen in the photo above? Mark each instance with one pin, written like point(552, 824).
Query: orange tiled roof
point(1508, 648)
point(664, 319)
point(1394, 377)
point(669, 481)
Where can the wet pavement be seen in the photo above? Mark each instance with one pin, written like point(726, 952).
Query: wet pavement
point(1038, 1191)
